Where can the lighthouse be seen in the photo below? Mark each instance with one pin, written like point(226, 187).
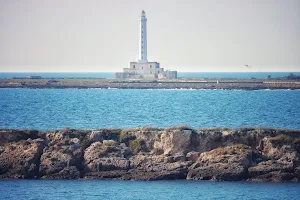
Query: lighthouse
point(143, 39)
point(142, 68)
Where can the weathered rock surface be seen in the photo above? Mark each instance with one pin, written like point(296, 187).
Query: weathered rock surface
point(20, 159)
point(281, 160)
point(66, 173)
point(228, 164)
point(11, 135)
point(64, 150)
point(253, 154)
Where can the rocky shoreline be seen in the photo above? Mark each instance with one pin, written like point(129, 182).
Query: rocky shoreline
point(227, 84)
point(244, 154)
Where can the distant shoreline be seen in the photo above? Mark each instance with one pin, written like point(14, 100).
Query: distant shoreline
point(102, 83)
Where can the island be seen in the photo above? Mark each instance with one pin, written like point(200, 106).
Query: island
point(219, 154)
point(181, 83)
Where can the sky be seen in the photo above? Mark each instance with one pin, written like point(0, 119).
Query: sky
point(183, 35)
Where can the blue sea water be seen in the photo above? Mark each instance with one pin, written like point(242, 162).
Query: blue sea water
point(46, 109)
point(131, 190)
point(180, 74)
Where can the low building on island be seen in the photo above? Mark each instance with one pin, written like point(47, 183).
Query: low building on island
point(142, 68)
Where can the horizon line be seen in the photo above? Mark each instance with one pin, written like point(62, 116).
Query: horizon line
point(177, 71)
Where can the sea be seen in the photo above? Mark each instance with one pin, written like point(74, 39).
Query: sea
point(48, 109)
point(134, 190)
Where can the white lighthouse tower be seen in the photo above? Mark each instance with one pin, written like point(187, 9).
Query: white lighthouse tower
point(143, 39)
point(143, 68)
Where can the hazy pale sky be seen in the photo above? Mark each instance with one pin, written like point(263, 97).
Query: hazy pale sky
point(183, 35)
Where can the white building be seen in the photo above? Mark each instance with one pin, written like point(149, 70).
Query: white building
point(142, 68)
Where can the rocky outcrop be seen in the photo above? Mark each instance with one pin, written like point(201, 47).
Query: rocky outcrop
point(21, 159)
point(253, 154)
point(63, 154)
point(10, 135)
point(228, 164)
point(280, 160)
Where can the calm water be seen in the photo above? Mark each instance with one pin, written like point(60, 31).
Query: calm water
point(46, 109)
point(182, 190)
point(94, 108)
point(180, 74)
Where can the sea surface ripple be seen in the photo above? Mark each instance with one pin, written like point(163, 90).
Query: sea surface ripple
point(46, 109)
point(131, 190)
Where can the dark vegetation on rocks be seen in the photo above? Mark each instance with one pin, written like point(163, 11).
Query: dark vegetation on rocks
point(252, 154)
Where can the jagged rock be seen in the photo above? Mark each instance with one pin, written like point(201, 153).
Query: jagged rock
point(96, 136)
point(108, 164)
point(63, 150)
point(228, 163)
point(281, 160)
point(66, 173)
point(11, 135)
point(113, 174)
point(267, 168)
point(173, 141)
point(104, 134)
point(146, 167)
point(192, 156)
point(105, 156)
point(53, 162)
point(275, 176)
point(21, 159)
